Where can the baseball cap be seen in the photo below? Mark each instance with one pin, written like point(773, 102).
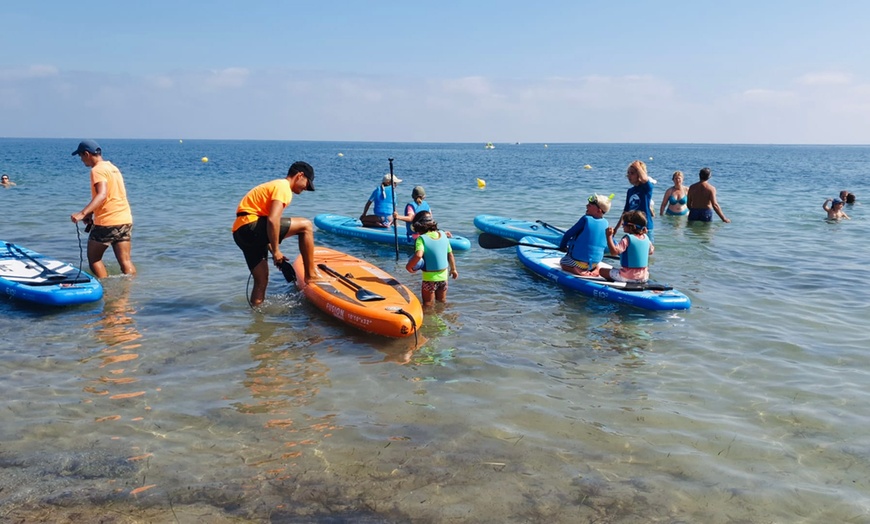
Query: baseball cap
point(387, 177)
point(88, 146)
point(603, 202)
point(418, 192)
point(306, 169)
point(836, 201)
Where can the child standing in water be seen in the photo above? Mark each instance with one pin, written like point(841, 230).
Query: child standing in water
point(634, 250)
point(433, 248)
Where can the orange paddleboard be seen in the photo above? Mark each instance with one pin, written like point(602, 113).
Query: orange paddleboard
point(361, 294)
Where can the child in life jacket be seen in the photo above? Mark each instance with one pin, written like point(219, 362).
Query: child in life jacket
point(432, 247)
point(633, 249)
point(586, 241)
point(417, 204)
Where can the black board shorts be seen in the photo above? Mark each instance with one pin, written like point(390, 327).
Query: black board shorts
point(704, 214)
point(253, 240)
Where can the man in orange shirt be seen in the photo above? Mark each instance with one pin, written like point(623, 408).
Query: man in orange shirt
point(259, 227)
point(107, 215)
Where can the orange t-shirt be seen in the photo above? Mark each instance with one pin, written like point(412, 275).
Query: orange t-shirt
point(258, 201)
point(115, 210)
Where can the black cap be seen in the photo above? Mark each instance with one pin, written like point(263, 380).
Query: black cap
point(306, 170)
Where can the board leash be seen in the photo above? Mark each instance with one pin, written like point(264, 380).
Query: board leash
point(81, 250)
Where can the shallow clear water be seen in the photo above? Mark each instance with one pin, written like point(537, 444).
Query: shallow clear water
point(171, 399)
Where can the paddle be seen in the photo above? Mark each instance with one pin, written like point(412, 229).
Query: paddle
point(493, 241)
point(54, 275)
point(393, 192)
point(548, 226)
point(363, 295)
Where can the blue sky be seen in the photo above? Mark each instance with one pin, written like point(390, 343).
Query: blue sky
point(784, 72)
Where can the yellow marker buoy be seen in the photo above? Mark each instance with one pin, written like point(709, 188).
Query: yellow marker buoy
point(587, 166)
point(204, 159)
point(341, 154)
point(481, 183)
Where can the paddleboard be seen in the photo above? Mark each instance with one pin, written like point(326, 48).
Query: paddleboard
point(517, 229)
point(360, 294)
point(652, 295)
point(352, 227)
point(30, 276)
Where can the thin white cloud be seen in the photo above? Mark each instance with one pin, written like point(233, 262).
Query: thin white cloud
point(34, 71)
point(769, 97)
point(266, 104)
point(831, 78)
point(470, 85)
point(231, 77)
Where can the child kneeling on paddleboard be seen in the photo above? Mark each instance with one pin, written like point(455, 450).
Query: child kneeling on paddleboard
point(586, 240)
point(432, 248)
point(634, 250)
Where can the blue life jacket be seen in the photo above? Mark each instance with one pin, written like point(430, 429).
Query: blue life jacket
point(590, 244)
point(383, 199)
point(637, 254)
point(423, 206)
point(435, 252)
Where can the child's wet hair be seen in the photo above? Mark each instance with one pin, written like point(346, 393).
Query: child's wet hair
point(424, 223)
point(637, 219)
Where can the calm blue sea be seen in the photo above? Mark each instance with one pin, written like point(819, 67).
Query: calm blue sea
point(171, 400)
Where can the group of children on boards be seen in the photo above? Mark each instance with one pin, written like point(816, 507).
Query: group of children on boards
point(834, 206)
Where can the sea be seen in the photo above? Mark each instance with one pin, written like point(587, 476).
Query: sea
point(171, 400)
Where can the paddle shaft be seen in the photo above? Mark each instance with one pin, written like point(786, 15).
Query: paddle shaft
point(493, 241)
point(37, 262)
point(361, 293)
point(548, 226)
point(393, 192)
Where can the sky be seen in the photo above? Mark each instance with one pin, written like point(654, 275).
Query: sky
point(747, 72)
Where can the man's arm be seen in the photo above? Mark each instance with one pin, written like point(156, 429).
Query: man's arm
point(94, 204)
point(273, 230)
point(716, 208)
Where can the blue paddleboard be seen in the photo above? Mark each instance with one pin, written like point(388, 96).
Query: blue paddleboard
point(517, 229)
point(544, 261)
point(352, 227)
point(30, 276)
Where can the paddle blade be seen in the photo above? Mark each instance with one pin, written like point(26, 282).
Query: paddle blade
point(491, 241)
point(364, 295)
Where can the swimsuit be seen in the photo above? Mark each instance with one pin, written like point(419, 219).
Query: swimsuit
point(673, 202)
point(704, 214)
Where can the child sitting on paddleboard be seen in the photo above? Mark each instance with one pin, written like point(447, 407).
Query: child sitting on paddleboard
point(586, 240)
point(416, 205)
point(433, 249)
point(835, 209)
point(634, 250)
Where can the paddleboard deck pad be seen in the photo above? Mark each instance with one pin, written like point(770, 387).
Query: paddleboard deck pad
point(352, 227)
point(33, 277)
point(360, 294)
point(517, 229)
point(650, 295)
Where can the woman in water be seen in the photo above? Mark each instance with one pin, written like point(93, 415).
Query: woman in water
point(674, 201)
